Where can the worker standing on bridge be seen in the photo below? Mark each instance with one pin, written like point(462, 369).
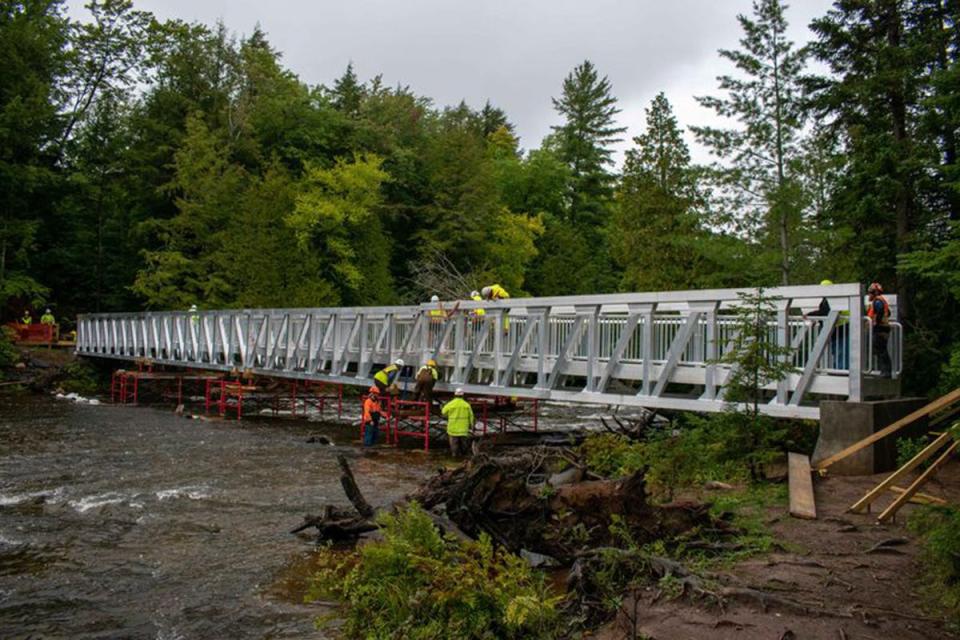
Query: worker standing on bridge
point(27, 319)
point(838, 336)
point(879, 313)
point(459, 415)
point(47, 318)
point(427, 376)
point(475, 296)
point(370, 423)
point(386, 376)
point(437, 315)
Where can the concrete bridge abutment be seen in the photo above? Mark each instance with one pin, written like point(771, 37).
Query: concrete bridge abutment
point(844, 423)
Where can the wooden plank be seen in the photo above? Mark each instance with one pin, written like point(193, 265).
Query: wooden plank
point(914, 462)
point(940, 403)
point(920, 498)
point(891, 511)
point(802, 502)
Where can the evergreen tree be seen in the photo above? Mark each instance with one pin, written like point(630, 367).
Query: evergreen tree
point(760, 159)
point(655, 229)
point(888, 101)
point(33, 40)
point(584, 142)
point(348, 93)
point(492, 119)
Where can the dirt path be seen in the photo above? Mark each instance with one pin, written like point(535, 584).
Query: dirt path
point(825, 565)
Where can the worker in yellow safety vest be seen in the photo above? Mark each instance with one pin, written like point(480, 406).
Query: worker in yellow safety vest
point(47, 318)
point(427, 376)
point(475, 296)
point(460, 420)
point(496, 292)
point(386, 376)
point(27, 319)
point(438, 314)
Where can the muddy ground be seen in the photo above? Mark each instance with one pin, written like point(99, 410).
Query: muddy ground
point(823, 563)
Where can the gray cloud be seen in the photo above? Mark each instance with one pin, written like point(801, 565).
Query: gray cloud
point(514, 53)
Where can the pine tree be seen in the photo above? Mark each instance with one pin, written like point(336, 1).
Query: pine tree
point(585, 139)
point(348, 92)
point(892, 104)
point(755, 361)
point(759, 158)
point(655, 231)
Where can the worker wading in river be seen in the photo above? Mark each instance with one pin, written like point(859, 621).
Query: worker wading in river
point(459, 415)
point(370, 424)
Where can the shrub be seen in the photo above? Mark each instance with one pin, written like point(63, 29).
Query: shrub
point(939, 530)
point(81, 377)
point(8, 352)
point(419, 585)
point(613, 456)
point(672, 458)
point(908, 448)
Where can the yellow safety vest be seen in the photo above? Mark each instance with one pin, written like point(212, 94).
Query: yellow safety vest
point(433, 371)
point(478, 312)
point(387, 374)
point(459, 415)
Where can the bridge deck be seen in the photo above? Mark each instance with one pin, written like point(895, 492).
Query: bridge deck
point(656, 350)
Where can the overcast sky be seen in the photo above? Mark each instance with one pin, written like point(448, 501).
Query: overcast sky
point(516, 53)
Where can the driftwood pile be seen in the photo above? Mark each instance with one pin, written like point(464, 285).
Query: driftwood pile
point(528, 502)
point(542, 504)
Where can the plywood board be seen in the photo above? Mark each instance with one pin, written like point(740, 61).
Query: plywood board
point(802, 502)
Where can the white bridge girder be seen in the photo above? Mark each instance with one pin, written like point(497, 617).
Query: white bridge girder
point(655, 350)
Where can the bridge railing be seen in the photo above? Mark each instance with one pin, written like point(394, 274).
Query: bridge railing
point(642, 349)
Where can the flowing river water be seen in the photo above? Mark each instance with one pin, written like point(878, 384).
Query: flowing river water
point(130, 522)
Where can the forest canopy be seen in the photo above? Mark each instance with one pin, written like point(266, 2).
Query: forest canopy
point(158, 164)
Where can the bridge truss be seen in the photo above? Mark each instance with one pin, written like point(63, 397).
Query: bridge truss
point(654, 350)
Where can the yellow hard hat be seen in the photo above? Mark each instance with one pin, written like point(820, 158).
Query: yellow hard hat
point(826, 283)
point(431, 362)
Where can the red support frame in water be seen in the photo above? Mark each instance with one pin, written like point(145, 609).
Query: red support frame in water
point(414, 412)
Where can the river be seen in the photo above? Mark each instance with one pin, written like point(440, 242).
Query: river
point(131, 522)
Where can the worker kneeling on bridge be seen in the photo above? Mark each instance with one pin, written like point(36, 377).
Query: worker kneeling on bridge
point(427, 376)
point(370, 423)
point(386, 376)
point(494, 292)
point(459, 415)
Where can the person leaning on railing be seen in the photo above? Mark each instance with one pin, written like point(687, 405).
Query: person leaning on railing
point(840, 358)
point(879, 313)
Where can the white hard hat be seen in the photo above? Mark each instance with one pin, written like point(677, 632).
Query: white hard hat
point(434, 298)
point(193, 307)
point(474, 293)
point(48, 309)
point(398, 362)
point(458, 392)
point(486, 291)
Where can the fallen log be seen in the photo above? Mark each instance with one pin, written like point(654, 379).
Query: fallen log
point(337, 524)
point(350, 487)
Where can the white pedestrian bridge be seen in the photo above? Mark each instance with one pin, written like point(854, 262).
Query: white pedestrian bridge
point(655, 350)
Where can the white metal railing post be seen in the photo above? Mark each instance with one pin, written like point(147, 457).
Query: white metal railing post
point(592, 353)
point(857, 347)
point(783, 341)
